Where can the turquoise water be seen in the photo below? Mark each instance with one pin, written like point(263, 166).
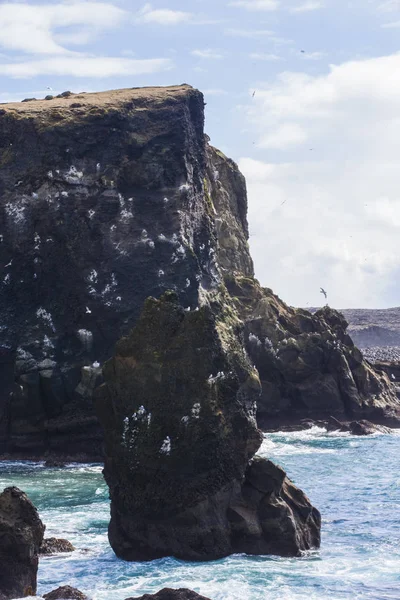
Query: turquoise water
point(355, 482)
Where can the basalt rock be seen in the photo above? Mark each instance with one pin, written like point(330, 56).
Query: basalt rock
point(178, 411)
point(21, 535)
point(308, 364)
point(54, 464)
point(55, 546)
point(65, 592)
point(366, 428)
point(170, 594)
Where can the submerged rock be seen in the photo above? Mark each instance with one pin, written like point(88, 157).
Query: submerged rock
point(178, 411)
point(54, 464)
point(65, 592)
point(55, 545)
point(170, 594)
point(366, 428)
point(21, 535)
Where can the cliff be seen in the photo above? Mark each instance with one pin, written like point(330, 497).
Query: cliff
point(107, 199)
point(95, 216)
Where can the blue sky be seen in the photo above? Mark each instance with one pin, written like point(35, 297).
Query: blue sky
point(319, 142)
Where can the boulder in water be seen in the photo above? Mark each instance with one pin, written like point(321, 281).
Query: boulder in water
point(21, 535)
point(170, 594)
point(55, 546)
point(56, 464)
point(65, 592)
point(366, 428)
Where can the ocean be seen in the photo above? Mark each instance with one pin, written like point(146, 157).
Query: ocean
point(354, 482)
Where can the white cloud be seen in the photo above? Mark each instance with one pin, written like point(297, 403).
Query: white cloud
point(307, 6)
point(256, 5)
point(162, 16)
point(394, 25)
point(81, 66)
point(285, 136)
point(312, 55)
point(385, 210)
point(329, 215)
point(249, 33)
point(263, 56)
point(207, 53)
point(280, 41)
point(389, 6)
point(32, 28)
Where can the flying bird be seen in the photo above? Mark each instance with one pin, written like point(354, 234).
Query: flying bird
point(323, 292)
point(254, 93)
point(303, 51)
point(49, 88)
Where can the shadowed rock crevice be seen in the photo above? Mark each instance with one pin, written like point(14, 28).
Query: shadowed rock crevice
point(178, 411)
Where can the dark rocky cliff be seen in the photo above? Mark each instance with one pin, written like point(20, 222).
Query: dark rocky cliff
point(107, 199)
point(100, 199)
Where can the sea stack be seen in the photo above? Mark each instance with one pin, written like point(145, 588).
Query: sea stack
point(178, 409)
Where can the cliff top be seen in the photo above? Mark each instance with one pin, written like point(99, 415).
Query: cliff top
point(98, 99)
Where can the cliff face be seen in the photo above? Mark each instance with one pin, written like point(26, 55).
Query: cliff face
point(101, 206)
point(107, 199)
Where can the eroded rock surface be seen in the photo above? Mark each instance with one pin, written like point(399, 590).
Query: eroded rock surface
point(178, 409)
point(21, 535)
point(55, 545)
point(65, 592)
point(364, 427)
point(170, 594)
point(308, 364)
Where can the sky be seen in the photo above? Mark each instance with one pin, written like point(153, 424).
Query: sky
point(303, 94)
